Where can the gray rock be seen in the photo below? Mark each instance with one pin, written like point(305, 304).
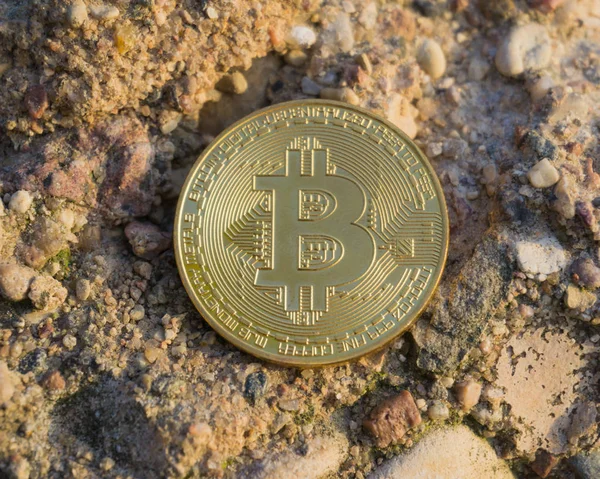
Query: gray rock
point(310, 87)
point(255, 386)
point(587, 272)
point(583, 421)
point(462, 309)
point(587, 464)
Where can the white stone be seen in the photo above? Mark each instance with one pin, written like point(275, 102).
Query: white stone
point(77, 13)
point(20, 201)
point(301, 36)
point(543, 174)
point(431, 59)
point(104, 12)
point(544, 255)
point(451, 453)
point(212, 13)
point(525, 48)
point(325, 455)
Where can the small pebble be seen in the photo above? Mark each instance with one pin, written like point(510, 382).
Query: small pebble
point(345, 94)
point(83, 289)
point(588, 274)
point(104, 12)
point(296, 58)
point(234, 83)
point(143, 268)
point(137, 313)
point(77, 13)
point(525, 48)
point(151, 354)
point(468, 393)
point(20, 201)
point(434, 149)
point(212, 13)
point(14, 281)
point(541, 255)
point(289, 404)
point(310, 87)
point(540, 87)
point(364, 62)
point(368, 17)
point(543, 174)
point(579, 299)
point(438, 411)
point(69, 341)
point(301, 36)
point(447, 382)
point(36, 101)
point(107, 464)
point(431, 59)
point(344, 34)
point(46, 293)
point(53, 381)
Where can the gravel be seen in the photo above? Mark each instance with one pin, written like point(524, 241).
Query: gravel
point(107, 106)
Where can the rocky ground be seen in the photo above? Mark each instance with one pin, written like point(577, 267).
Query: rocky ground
point(107, 370)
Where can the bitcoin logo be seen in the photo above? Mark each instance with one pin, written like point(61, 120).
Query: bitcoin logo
point(330, 248)
point(311, 233)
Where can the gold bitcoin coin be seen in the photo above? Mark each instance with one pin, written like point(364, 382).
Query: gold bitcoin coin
point(311, 232)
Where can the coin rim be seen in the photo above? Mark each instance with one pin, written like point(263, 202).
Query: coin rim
point(271, 357)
